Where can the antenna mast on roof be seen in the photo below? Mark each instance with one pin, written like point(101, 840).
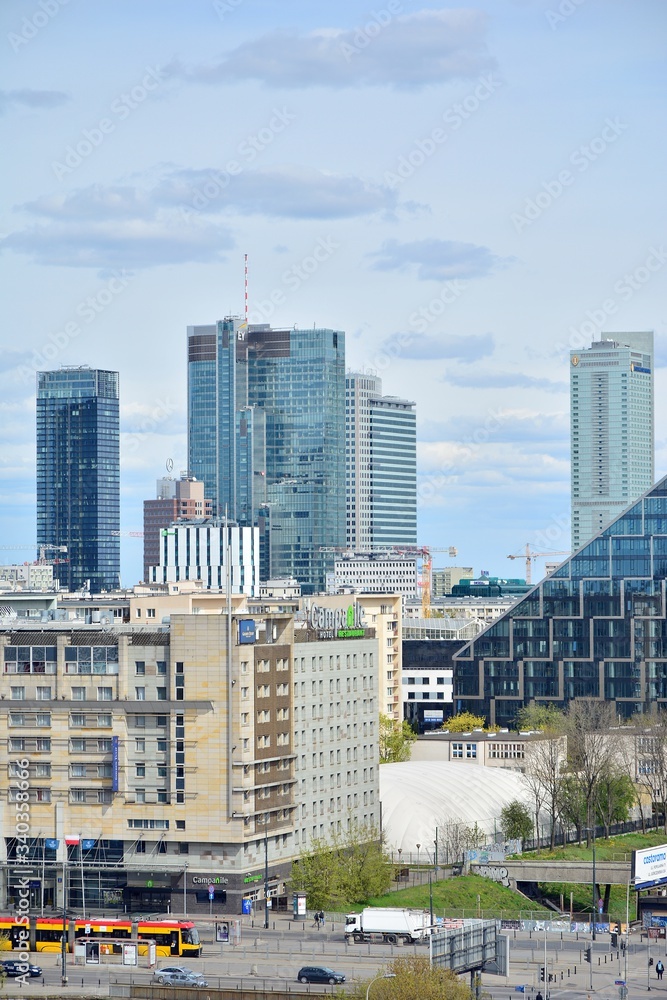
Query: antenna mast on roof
point(245, 287)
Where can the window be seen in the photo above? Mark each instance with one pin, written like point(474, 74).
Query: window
point(150, 612)
point(140, 694)
point(163, 796)
point(104, 770)
point(16, 744)
point(161, 694)
point(162, 667)
point(139, 668)
point(17, 693)
point(77, 794)
point(104, 721)
point(42, 770)
point(104, 796)
point(77, 746)
point(77, 770)
point(104, 694)
point(43, 744)
point(162, 772)
point(161, 720)
point(457, 749)
point(104, 746)
point(140, 746)
point(140, 771)
point(264, 715)
point(140, 796)
point(471, 751)
point(43, 694)
point(282, 689)
point(78, 694)
point(263, 690)
point(43, 719)
point(140, 721)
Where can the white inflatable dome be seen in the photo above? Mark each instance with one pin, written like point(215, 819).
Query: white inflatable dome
point(419, 796)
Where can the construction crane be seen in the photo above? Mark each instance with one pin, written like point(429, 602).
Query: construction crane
point(530, 556)
point(42, 549)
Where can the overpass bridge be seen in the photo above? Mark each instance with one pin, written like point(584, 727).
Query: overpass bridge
point(512, 872)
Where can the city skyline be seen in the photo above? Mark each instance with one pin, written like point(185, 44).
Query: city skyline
point(430, 180)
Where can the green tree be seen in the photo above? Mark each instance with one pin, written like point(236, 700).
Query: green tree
point(413, 977)
point(395, 741)
point(546, 718)
point(464, 722)
point(346, 869)
point(572, 804)
point(516, 821)
point(615, 797)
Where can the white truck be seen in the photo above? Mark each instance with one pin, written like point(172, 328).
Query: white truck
point(390, 924)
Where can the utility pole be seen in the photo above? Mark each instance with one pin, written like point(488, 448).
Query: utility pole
point(63, 952)
point(266, 881)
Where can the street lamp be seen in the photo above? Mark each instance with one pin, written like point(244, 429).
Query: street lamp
point(385, 975)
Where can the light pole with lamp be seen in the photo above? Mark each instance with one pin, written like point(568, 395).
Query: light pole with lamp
point(63, 952)
point(385, 975)
point(418, 850)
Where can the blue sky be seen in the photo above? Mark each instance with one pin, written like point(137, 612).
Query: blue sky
point(483, 186)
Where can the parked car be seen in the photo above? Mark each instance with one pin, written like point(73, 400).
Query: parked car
point(319, 974)
point(15, 968)
point(178, 975)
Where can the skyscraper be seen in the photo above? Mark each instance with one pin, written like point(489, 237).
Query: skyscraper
point(78, 474)
point(381, 465)
point(176, 498)
point(266, 417)
point(612, 435)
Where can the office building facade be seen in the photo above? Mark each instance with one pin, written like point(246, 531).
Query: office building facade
point(212, 551)
point(266, 411)
point(375, 573)
point(612, 432)
point(78, 475)
point(176, 498)
point(381, 466)
point(596, 628)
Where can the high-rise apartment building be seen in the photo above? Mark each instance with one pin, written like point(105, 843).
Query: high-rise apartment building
point(612, 434)
point(381, 466)
point(266, 412)
point(78, 475)
point(176, 498)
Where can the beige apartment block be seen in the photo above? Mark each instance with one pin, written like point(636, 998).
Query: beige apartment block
point(152, 764)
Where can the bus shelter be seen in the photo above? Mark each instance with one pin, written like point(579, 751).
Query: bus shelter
point(115, 951)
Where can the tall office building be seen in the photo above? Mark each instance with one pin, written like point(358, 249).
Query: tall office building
point(612, 434)
point(176, 498)
point(78, 475)
point(266, 412)
point(381, 466)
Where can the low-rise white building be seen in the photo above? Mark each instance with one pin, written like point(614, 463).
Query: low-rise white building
point(199, 550)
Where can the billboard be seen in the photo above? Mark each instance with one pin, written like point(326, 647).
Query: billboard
point(649, 867)
point(115, 763)
point(247, 631)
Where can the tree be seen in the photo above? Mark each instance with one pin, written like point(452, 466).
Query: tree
point(540, 717)
point(348, 868)
point(544, 765)
point(454, 839)
point(396, 739)
point(516, 821)
point(572, 805)
point(615, 796)
point(464, 722)
point(590, 751)
point(649, 761)
point(413, 977)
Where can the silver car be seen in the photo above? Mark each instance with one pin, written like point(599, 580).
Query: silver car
point(178, 975)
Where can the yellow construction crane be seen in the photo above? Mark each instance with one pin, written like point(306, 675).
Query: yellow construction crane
point(529, 556)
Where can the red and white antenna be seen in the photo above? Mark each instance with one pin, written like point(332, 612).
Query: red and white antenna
point(245, 289)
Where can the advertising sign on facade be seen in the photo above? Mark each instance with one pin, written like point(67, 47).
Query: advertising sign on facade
point(338, 623)
point(649, 867)
point(247, 630)
point(115, 767)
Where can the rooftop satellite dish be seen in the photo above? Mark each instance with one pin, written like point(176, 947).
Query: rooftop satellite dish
point(170, 464)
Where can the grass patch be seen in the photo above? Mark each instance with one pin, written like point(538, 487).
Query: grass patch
point(615, 849)
point(582, 898)
point(454, 895)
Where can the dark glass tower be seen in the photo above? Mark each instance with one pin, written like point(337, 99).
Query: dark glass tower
point(266, 433)
point(78, 475)
point(595, 628)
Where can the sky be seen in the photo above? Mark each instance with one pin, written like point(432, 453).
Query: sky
point(469, 192)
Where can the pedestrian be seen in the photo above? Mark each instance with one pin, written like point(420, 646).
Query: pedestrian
point(322, 917)
point(659, 969)
point(538, 996)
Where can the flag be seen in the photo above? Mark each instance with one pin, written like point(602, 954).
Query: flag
point(87, 845)
point(51, 844)
point(70, 841)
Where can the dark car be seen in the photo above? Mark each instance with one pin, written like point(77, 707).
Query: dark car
point(319, 974)
point(14, 968)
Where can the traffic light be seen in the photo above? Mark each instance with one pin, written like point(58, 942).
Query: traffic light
point(587, 955)
point(542, 974)
point(614, 939)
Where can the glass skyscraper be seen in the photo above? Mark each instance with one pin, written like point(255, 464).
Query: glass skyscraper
point(611, 419)
point(266, 418)
point(595, 628)
point(78, 475)
point(381, 466)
